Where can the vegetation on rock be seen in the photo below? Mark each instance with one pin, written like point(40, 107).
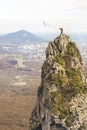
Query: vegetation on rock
point(68, 86)
point(61, 82)
point(59, 59)
point(60, 105)
point(72, 50)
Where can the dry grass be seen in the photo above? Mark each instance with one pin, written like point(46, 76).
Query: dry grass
point(15, 111)
point(17, 101)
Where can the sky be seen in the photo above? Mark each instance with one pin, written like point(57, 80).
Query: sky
point(29, 14)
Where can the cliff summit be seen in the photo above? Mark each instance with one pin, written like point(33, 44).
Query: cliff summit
point(62, 95)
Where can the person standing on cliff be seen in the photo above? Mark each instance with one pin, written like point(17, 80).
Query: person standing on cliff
point(61, 29)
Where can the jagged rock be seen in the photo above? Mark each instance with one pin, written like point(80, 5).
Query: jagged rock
point(62, 95)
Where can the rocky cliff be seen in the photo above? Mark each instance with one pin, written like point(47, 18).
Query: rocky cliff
point(62, 95)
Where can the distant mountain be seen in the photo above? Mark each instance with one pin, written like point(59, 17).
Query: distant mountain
point(21, 36)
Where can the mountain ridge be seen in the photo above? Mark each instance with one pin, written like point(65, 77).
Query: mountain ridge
point(19, 37)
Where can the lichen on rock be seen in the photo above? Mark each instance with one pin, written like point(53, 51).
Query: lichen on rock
point(58, 104)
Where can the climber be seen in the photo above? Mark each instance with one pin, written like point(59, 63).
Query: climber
point(61, 29)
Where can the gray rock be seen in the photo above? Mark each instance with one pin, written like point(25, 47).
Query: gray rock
point(58, 107)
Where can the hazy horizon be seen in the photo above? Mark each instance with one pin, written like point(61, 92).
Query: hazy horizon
point(29, 14)
point(44, 33)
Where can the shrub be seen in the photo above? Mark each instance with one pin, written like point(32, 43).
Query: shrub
point(67, 87)
point(59, 80)
point(72, 50)
point(59, 58)
point(59, 104)
point(76, 84)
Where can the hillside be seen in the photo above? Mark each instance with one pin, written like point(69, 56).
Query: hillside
point(62, 95)
point(20, 37)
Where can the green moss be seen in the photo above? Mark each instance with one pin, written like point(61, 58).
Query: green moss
point(59, 104)
point(59, 80)
point(67, 87)
point(59, 58)
point(75, 81)
point(72, 50)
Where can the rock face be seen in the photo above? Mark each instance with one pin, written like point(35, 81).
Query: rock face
point(62, 95)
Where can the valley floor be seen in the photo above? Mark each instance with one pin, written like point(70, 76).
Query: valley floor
point(18, 90)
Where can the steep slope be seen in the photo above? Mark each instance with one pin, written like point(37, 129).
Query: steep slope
point(19, 37)
point(62, 96)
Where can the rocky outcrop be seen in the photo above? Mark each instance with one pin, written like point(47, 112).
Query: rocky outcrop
point(62, 95)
